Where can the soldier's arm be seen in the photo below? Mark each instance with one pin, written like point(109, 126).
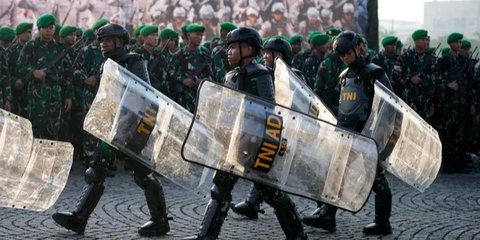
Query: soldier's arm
point(322, 75)
point(67, 83)
point(25, 70)
point(5, 79)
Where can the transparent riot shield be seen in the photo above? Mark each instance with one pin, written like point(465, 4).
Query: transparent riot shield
point(276, 146)
point(409, 147)
point(133, 117)
point(292, 92)
point(33, 172)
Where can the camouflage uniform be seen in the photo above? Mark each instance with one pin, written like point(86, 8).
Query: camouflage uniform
point(87, 63)
point(220, 65)
point(185, 64)
point(157, 69)
point(46, 98)
point(310, 69)
point(326, 86)
point(5, 90)
point(19, 96)
point(387, 63)
point(475, 132)
point(455, 107)
point(419, 97)
point(299, 59)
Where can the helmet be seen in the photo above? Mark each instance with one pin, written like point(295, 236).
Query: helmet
point(113, 30)
point(207, 12)
point(278, 44)
point(246, 35)
point(345, 41)
point(179, 12)
point(278, 7)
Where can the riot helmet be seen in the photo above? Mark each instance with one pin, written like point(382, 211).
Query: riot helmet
point(280, 45)
point(345, 41)
point(113, 30)
point(246, 35)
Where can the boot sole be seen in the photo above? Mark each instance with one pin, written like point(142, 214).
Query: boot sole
point(66, 226)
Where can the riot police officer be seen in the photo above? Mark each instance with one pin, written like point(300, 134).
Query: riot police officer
point(274, 48)
point(358, 78)
point(113, 39)
point(244, 45)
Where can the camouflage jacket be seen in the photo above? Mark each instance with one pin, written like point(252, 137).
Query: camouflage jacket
point(220, 65)
point(87, 64)
point(157, 66)
point(299, 59)
point(310, 69)
point(5, 90)
point(327, 85)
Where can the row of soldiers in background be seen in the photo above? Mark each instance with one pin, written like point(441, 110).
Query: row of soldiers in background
point(54, 82)
point(271, 17)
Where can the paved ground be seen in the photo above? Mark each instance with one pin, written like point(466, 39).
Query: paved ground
point(449, 209)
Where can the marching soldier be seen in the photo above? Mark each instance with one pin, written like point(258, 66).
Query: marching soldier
point(48, 76)
point(113, 38)
point(244, 45)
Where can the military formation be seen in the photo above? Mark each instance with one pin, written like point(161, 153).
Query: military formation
point(51, 77)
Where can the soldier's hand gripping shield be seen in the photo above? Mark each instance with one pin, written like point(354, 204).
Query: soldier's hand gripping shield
point(33, 172)
point(281, 148)
point(409, 147)
point(133, 117)
point(292, 92)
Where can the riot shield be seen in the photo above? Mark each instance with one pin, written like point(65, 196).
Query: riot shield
point(133, 117)
point(33, 171)
point(409, 147)
point(279, 147)
point(292, 92)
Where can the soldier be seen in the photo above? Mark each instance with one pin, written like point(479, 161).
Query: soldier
point(190, 67)
point(387, 58)
point(244, 45)
point(113, 38)
point(415, 71)
point(68, 35)
point(19, 91)
point(138, 37)
point(274, 48)
point(252, 20)
point(312, 62)
point(453, 69)
point(311, 24)
point(6, 37)
point(220, 65)
point(179, 15)
point(296, 42)
point(86, 81)
point(299, 59)
point(358, 78)
point(327, 87)
point(207, 15)
point(48, 77)
point(326, 16)
point(88, 37)
point(347, 22)
point(279, 24)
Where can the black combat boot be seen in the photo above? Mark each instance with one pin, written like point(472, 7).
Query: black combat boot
point(251, 206)
point(158, 224)
point(324, 220)
point(383, 209)
point(287, 216)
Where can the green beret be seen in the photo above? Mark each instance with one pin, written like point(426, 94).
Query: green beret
point(445, 51)
point(57, 29)
point(132, 40)
point(194, 28)
point(80, 31)
point(227, 26)
point(67, 30)
point(184, 29)
point(168, 33)
point(420, 33)
point(399, 44)
point(371, 52)
point(333, 31)
point(297, 38)
point(23, 27)
point(45, 20)
point(148, 29)
point(7, 34)
point(309, 37)
point(215, 38)
point(454, 37)
point(88, 34)
point(100, 22)
point(319, 39)
point(466, 44)
point(389, 40)
point(207, 45)
point(281, 37)
point(136, 32)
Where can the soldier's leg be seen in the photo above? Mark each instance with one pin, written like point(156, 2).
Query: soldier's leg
point(217, 208)
point(91, 194)
point(323, 217)
point(148, 181)
point(285, 210)
point(383, 207)
point(251, 206)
